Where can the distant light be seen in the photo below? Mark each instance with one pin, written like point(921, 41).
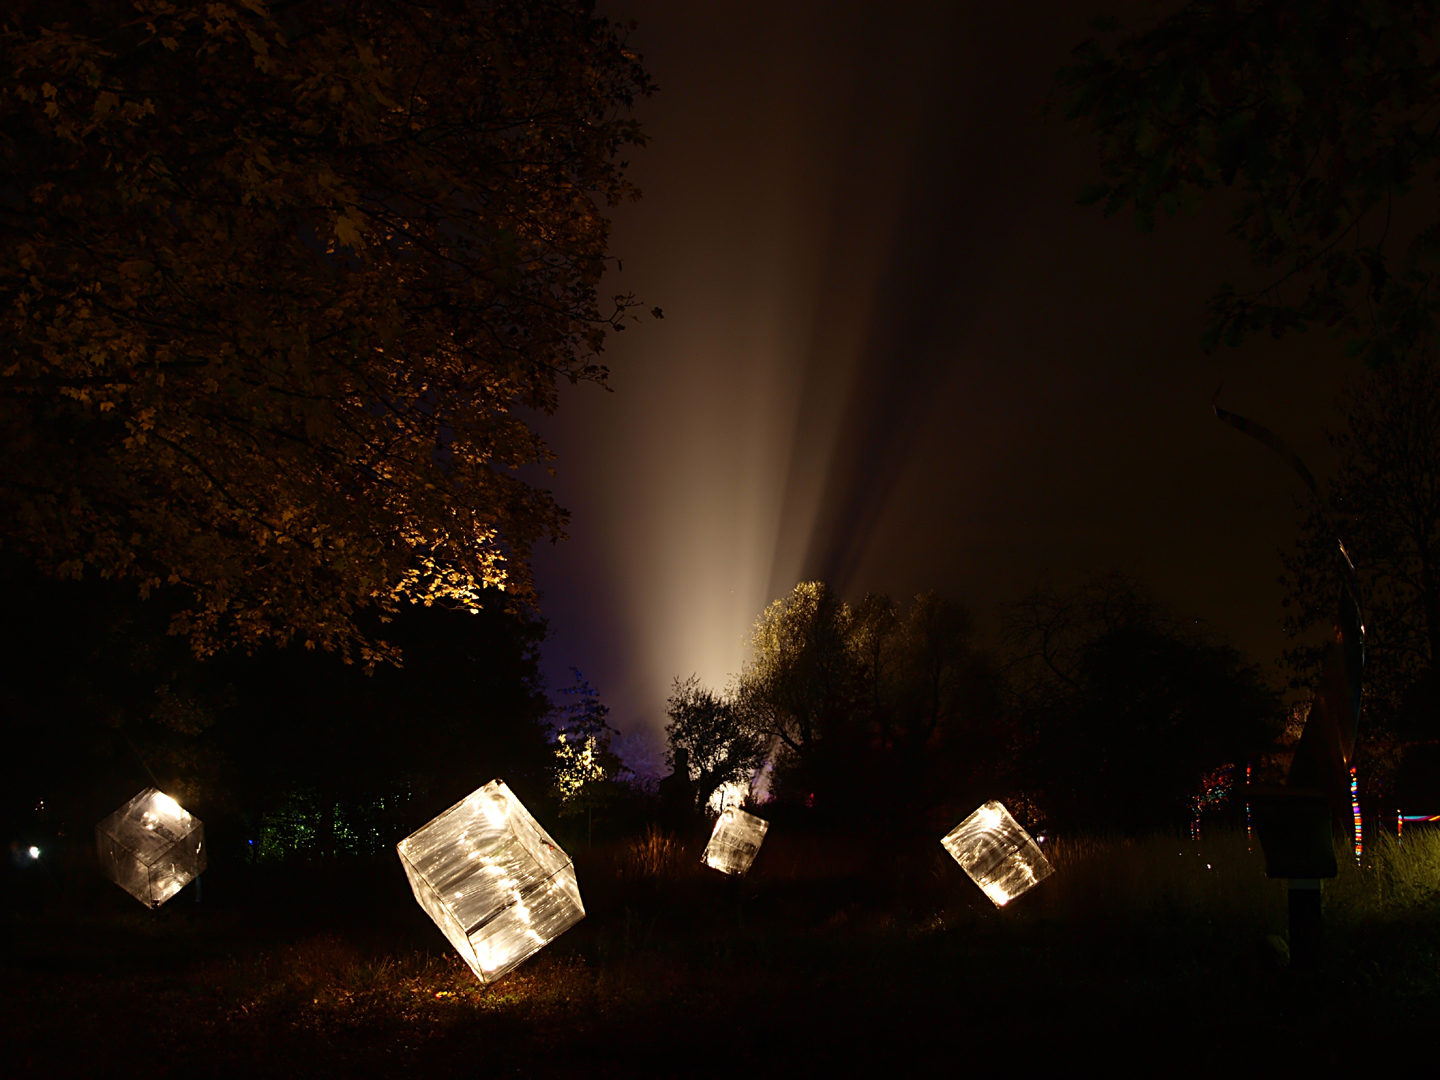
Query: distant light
point(34, 852)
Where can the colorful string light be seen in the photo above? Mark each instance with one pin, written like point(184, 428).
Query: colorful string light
point(1355, 809)
point(1419, 819)
point(1215, 787)
point(1247, 807)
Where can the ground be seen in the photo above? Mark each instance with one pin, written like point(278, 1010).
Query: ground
point(834, 958)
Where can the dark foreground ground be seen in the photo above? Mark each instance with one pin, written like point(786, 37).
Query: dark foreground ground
point(821, 964)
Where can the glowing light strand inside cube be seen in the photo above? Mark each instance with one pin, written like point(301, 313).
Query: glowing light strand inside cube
point(735, 841)
point(494, 882)
point(997, 853)
point(151, 847)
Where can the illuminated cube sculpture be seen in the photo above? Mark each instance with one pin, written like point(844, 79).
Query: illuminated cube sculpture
point(997, 853)
point(736, 839)
point(492, 879)
point(151, 847)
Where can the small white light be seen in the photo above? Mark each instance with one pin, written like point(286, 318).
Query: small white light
point(34, 852)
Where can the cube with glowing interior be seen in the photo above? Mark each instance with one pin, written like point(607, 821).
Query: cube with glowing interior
point(997, 853)
point(736, 839)
point(151, 847)
point(492, 879)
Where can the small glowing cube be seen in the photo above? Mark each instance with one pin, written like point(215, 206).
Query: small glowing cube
point(492, 879)
point(997, 853)
point(736, 839)
point(151, 847)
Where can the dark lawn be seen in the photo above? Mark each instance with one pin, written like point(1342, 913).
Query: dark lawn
point(830, 960)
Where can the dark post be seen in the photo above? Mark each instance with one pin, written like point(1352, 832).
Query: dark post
point(1307, 927)
point(1295, 834)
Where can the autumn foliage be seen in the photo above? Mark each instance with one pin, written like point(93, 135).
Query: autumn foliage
point(277, 283)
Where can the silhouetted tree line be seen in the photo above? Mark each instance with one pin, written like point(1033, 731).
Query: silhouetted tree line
point(1103, 710)
point(1122, 707)
point(284, 753)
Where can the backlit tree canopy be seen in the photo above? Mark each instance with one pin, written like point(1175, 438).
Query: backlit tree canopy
point(722, 743)
point(275, 281)
point(890, 700)
point(1322, 114)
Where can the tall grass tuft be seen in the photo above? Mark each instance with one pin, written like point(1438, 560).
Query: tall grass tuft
point(656, 854)
point(1396, 878)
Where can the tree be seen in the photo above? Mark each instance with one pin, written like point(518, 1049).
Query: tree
point(939, 680)
point(1384, 499)
point(895, 704)
point(1324, 116)
point(930, 704)
point(276, 282)
point(288, 748)
point(1124, 707)
point(582, 714)
point(585, 768)
point(796, 685)
point(720, 743)
point(345, 761)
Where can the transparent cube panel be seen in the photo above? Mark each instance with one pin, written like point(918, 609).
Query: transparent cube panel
point(498, 887)
point(735, 841)
point(997, 853)
point(152, 847)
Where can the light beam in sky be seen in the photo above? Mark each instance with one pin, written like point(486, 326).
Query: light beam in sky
point(895, 354)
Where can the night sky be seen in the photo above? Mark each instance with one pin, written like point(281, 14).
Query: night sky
point(897, 355)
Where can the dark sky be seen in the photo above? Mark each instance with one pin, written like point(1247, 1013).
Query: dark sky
point(896, 354)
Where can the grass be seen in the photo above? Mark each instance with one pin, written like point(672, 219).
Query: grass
point(838, 955)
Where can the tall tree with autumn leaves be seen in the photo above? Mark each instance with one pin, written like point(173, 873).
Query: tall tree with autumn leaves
point(276, 283)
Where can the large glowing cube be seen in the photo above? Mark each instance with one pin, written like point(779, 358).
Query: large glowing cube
point(736, 839)
point(492, 879)
point(151, 847)
point(997, 853)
